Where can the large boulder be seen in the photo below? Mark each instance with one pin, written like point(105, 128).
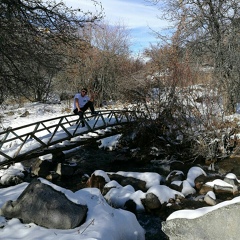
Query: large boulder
point(222, 223)
point(41, 204)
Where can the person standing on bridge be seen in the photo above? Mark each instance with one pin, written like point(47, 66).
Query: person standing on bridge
point(82, 102)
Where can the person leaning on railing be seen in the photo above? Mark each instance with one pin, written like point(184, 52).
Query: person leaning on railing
point(81, 103)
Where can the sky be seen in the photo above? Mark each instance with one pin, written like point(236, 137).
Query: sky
point(137, 15)
point(109, 223)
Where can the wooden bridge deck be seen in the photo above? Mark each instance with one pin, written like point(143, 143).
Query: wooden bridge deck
point(17, 143)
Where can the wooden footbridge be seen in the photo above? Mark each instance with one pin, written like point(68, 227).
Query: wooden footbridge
point(61, 132)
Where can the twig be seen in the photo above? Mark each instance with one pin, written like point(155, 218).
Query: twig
point(92, 222)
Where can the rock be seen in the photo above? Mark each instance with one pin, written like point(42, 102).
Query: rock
point(199, 181)
point(124, 181)
point(109, 186)
point(130, 206)
point(222, 223)
point(151, 202)
point(25, 114)
point(222, 189)
point(11, 180)
point(13, 175)
point(52, 176)
point(117, 197)
point(175, 175)
point(96, 181)
point(210, 198)
point(65, 169)
point(187, 189)
point(193, 173)
point(11, 113)
point(158, 196)
point(42, 168)
point(183, 186)
point(41, 204)
point(232, 179)
point(176, 185)
point(229, 165)
point(205, 188)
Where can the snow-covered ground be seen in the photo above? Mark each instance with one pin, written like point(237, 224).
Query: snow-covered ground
point(103, 221)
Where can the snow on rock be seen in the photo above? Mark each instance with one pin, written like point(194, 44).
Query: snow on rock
point(117, 197)
point(210, 198)
point(150, 178)
point(102, 174)
point(193, 173)
point(109, 143)
point(164, 193)
point(102, 222)
point(187, 189)
point(12, 175)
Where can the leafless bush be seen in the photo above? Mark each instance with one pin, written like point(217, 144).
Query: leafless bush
point(180, 125)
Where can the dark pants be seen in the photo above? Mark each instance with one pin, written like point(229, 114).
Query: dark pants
point(89, 104)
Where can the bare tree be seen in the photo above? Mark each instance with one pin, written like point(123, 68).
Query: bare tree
point(31, 33)
point(210, 28)
point(103, 62)
point(113, 43)
point(181, 113)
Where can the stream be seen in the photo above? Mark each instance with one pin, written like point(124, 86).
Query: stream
point(91, 158)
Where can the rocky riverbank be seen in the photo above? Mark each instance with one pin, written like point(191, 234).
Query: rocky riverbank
point(88, 159)
point(75, 171)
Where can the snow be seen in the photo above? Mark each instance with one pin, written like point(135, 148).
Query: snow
point(14, 170)
point(109, 142)
point(219, 182)
point(118, 196)
point(211, 194)
point(193, 173)
point(191, 214)
point(187, 188)
point(164, 193)
point(103, 174)
point(112, 184)
point(232, 176)
point(42, 135)
point(103, 221)
point(150, 178)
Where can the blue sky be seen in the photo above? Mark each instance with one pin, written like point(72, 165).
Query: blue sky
point(137, 15)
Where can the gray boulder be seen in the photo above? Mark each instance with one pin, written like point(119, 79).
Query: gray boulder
point(41, 204)
point(221, 224)
point(151, 202)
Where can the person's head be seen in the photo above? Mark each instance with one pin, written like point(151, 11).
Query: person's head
point(83, 91)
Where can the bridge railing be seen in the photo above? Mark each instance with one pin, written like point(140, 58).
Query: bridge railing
point(23, 140)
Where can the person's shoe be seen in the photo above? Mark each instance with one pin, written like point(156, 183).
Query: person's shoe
point(94, 113)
